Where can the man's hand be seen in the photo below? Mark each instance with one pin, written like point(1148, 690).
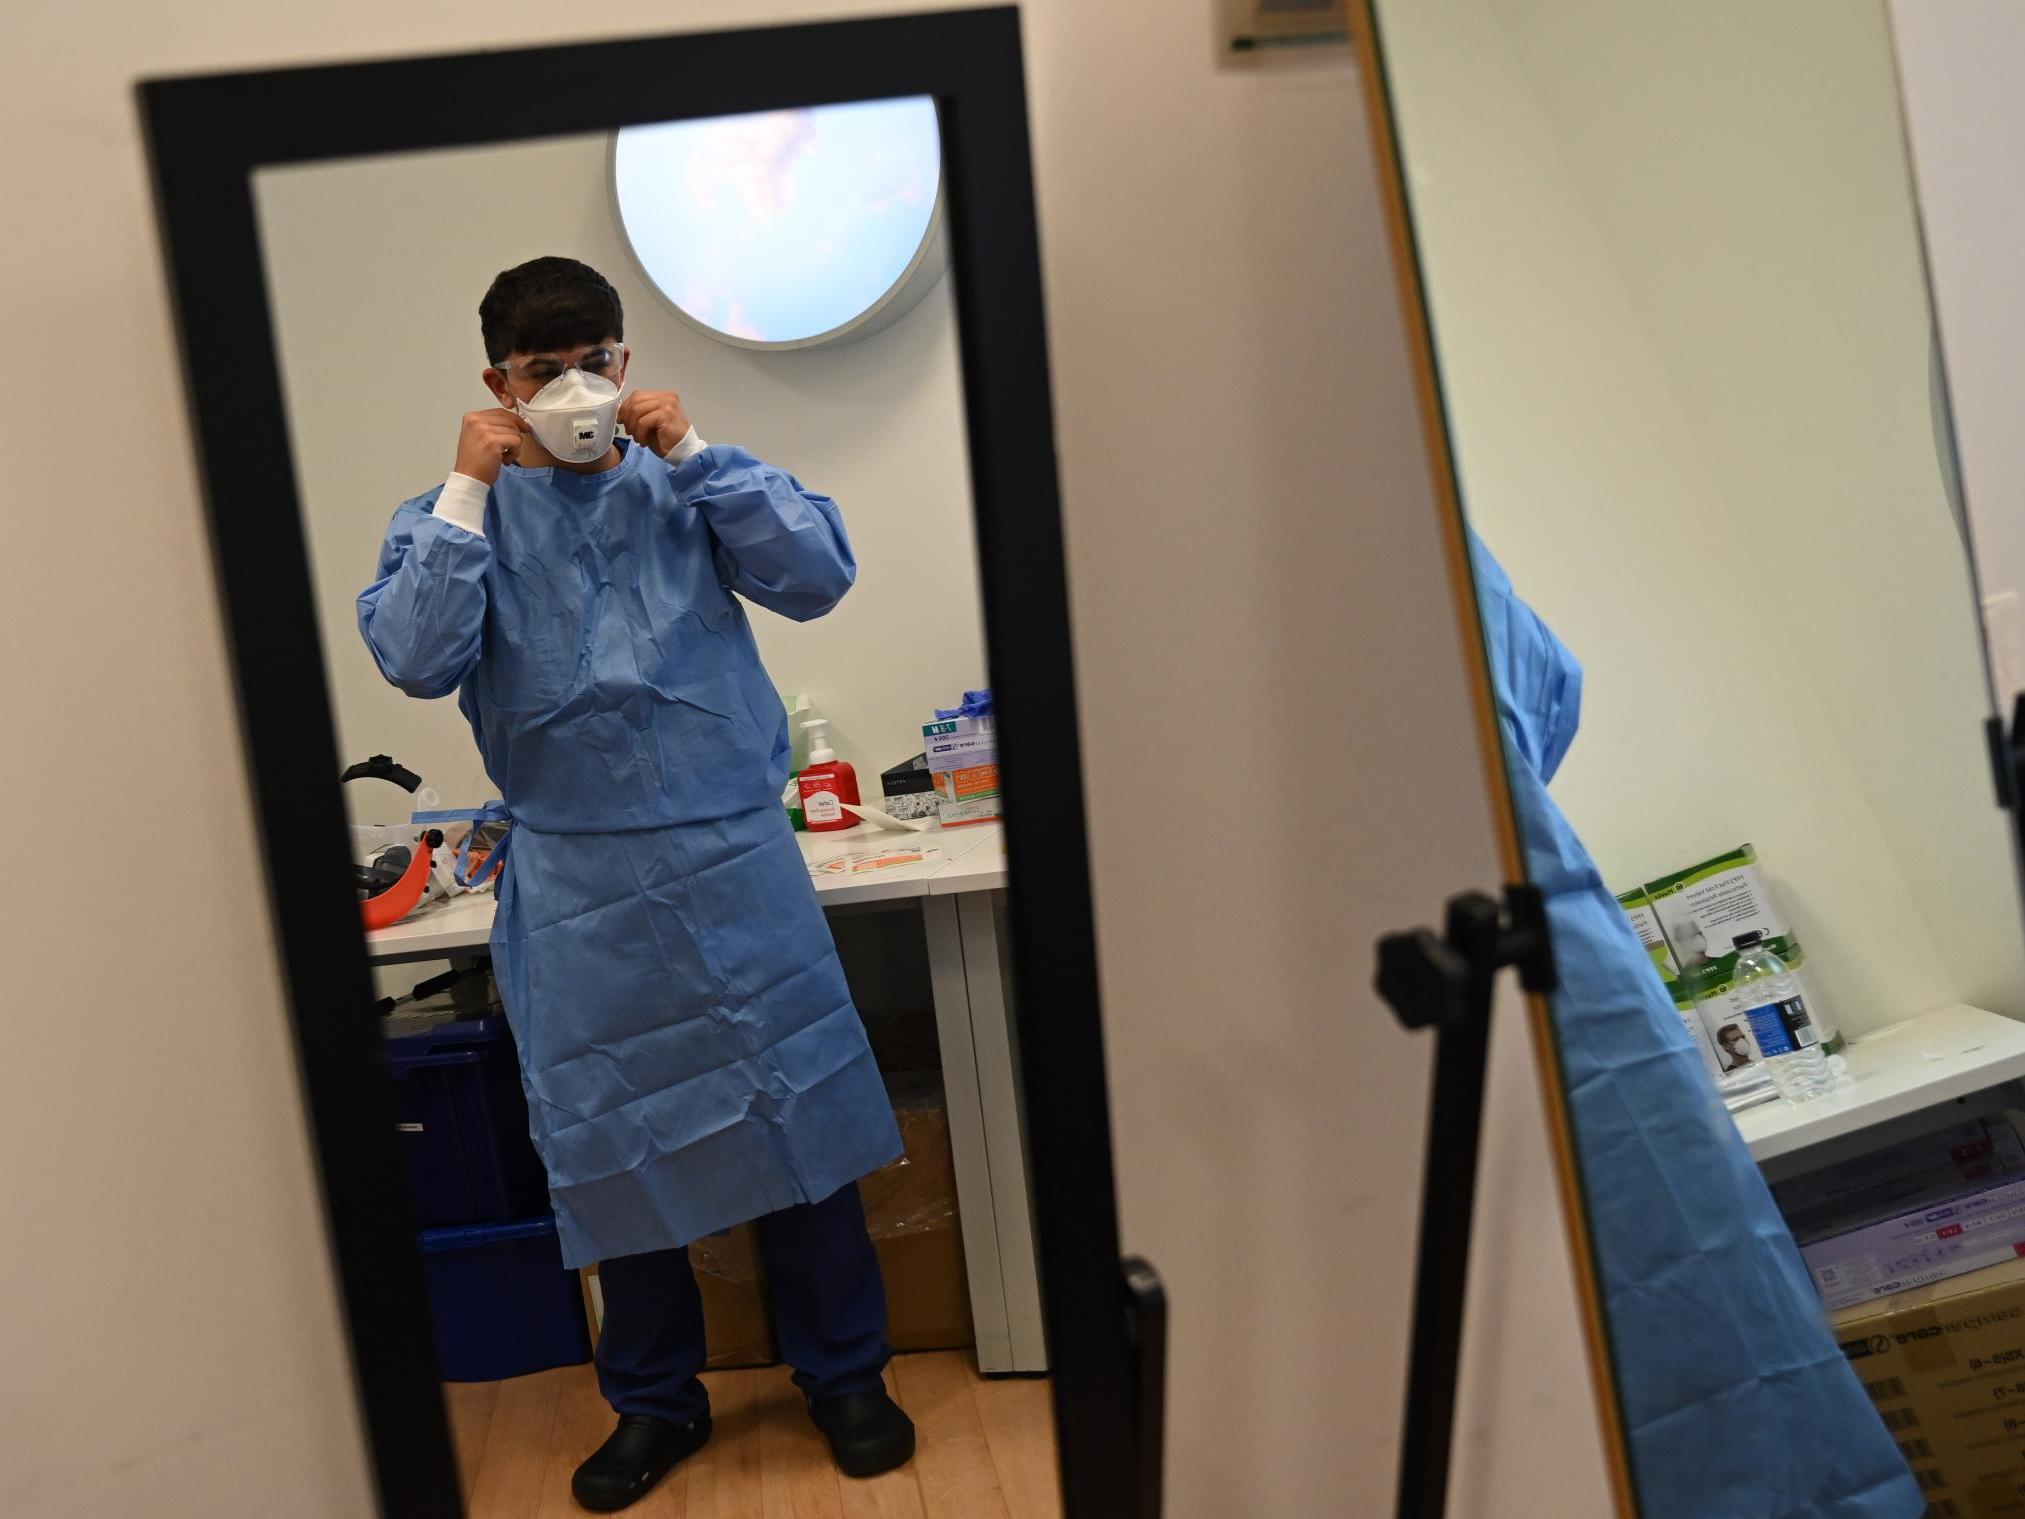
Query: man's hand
point(655, 418)
point(487, 440)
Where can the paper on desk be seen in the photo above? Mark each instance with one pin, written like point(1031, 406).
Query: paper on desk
point(880, 819)
point(1931, 1052)
point(864, 861)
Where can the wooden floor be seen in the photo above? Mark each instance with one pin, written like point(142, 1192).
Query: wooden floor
point(986, 1449)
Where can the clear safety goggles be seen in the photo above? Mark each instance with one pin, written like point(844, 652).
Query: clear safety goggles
point(607, 363)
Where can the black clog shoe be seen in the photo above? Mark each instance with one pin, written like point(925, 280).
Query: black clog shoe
point(639, 1454)
point(868, 1432)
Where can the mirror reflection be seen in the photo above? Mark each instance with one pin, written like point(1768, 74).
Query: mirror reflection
point(642, 536)
point(1673, 265)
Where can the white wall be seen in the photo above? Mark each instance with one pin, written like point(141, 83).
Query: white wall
point(1677, 292)
point(1244, 510)
point(1958, 63)
point(378, 328)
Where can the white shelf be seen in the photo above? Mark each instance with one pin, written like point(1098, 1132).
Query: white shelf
point(1895, 1072)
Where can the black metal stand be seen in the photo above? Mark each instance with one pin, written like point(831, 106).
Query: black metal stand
point(1445, 983)
point(2007, 764)
point(1146, 1332)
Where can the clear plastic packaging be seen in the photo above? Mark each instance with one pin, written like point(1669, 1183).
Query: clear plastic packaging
point(915, 1194)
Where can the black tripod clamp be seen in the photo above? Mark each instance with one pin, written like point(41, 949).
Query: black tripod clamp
point(2007, 764)
point(1433, 982)
point(1445, 982)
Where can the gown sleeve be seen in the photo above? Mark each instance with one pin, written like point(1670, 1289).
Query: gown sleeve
point(1537, 681)
point(778, 543)
point(424, 616)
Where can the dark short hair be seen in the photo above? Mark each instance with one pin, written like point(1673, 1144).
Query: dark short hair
point(548, 303)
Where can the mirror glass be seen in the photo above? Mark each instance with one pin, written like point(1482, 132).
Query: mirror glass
point(655, 649)
point(1672, 263)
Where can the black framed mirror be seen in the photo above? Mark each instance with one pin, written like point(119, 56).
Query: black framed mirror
point(318, 374)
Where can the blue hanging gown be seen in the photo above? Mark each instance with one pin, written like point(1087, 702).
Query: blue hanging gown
point(690, 1050)
point(1736, 1402)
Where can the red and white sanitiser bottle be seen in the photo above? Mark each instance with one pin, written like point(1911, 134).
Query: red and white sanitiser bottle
point(827, 783)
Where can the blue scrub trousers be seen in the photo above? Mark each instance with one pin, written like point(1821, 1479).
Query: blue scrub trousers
point(829, 1310)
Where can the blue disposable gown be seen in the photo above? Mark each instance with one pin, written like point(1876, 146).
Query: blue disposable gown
point(1736, 1402)
point(690, 1050)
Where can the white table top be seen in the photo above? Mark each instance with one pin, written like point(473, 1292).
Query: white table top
point(458, 926)
point(979, 867)
point(464, 924)
point(895, 880)
point(1900, 1069)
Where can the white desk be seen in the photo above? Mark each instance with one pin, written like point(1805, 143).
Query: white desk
point(964, 916)
point(463, 925)
point(1904, 1079)
point(960, 894)
point(460, 926)
point(979, 868)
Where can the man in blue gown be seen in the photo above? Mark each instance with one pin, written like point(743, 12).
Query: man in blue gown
point(691, 1054)
point(1736, 1402)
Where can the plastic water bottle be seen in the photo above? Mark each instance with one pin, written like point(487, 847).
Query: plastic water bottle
point(1777, 1014)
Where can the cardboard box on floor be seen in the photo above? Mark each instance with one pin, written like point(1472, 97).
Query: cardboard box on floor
point(1945, 1365)
point(910, 1211)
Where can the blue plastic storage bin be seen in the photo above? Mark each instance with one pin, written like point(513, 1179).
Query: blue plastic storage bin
point(503, 1303)
point(462, 1113)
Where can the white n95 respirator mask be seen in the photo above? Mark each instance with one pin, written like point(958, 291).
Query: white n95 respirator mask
point(573, 416)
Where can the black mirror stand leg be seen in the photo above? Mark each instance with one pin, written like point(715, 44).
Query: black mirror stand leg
point(1146, 1330)
point(1446, 983)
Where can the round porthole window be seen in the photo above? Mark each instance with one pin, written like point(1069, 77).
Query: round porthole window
point(786, 229)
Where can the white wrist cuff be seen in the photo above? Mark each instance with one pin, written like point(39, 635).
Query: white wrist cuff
point(690, 446)
point(462, 503)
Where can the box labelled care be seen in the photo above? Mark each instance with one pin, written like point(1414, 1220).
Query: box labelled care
point(1945, 1366)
